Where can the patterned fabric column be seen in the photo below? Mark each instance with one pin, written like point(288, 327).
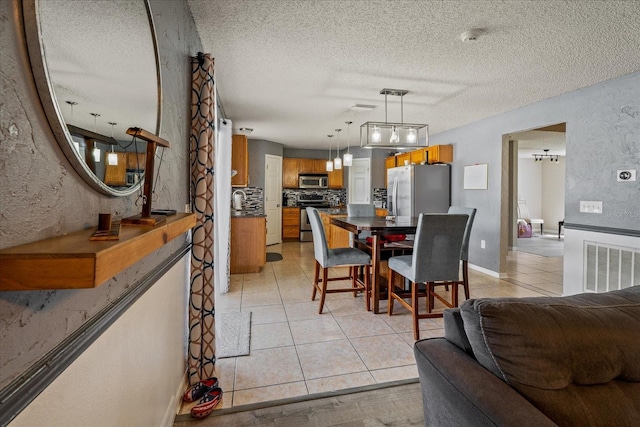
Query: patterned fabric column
point(202, 155)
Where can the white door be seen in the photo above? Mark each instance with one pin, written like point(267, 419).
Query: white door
point(273, 197)
point(360, 181)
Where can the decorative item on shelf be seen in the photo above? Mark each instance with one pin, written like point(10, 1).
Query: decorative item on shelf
point(337, 162)
point(146, 218)
point(330, 162)
point(541, 157)
point(347, 158)
point(394, 135)
point(106, 229)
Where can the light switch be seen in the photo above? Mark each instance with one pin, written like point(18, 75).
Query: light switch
point(590, 207)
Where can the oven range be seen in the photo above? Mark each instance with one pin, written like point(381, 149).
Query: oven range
point(314, 200)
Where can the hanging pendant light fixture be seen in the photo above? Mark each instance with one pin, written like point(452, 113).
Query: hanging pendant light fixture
point(97, 154)
point(392, 135)
point(112, 158)
point(330, 162)
point(347, 159)
point(337, 162)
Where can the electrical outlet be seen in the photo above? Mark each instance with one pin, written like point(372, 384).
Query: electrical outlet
point(187, 208)
point(590, 207)
point(482, 244)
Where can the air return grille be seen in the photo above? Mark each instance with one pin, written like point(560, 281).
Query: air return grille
point(609, 267)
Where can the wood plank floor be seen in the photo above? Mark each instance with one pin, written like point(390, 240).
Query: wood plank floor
point(398, 406)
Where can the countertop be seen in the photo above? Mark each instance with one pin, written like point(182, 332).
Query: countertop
point(247, 213)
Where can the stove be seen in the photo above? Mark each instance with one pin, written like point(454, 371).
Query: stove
point(313, 200)
point(306, 200)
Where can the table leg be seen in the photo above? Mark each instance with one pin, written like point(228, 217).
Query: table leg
point(375, 273)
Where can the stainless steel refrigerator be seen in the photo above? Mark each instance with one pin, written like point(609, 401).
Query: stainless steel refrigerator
point(416, 189)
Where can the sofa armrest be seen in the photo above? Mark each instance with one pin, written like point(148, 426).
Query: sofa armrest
point(457, 390)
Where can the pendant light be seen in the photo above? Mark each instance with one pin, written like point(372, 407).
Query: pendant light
point(347, 159)
point(337, 162)
point(390, 135)
point(97, 154)
point(112, 158)
point(330, 162)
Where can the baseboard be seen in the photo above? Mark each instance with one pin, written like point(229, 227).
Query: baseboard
point(488, 272)
point(170, 418)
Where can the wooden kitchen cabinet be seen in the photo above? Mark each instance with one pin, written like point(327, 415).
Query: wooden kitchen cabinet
point(336, 237)
point(289, 172)
point(248, 244)
point(440, 153)
point(290, 223)
point(336, 178)
point(240, 160)
point(305, 166)
point(319, 166)
point(401, 158)
point(418, 156)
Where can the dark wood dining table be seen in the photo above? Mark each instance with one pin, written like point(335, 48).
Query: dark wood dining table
point(377, 226)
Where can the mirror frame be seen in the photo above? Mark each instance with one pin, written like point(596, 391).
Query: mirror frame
point(35, 45)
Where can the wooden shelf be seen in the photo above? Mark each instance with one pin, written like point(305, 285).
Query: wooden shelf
point(73, 262)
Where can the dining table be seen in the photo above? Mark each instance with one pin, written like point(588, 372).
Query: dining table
point(378, 226)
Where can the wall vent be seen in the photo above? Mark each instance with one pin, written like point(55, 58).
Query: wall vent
point(609, 267)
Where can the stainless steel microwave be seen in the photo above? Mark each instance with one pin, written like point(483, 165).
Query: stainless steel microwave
point(313, 181)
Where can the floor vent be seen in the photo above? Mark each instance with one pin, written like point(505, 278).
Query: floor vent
point(609, 267)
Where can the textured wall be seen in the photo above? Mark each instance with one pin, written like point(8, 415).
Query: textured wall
point(603, 135)
point(257, 149)
point(41, 196)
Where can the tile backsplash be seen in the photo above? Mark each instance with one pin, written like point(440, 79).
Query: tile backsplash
point(255, 197)
point(334, 197)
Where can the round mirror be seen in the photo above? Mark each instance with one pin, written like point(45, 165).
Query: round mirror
point(97, 72)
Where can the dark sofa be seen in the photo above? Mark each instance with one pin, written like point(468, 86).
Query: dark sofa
point(544, 361)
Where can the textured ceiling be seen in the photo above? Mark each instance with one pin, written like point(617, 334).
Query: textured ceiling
point(291, 70)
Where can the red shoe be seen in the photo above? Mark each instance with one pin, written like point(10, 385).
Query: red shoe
point(199, 389)
point(208, 402)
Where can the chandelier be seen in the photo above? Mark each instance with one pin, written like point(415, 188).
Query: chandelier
point(541, 157)
point(391, 135)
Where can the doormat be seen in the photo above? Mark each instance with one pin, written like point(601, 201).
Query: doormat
point(235, 334)
point(273, 256)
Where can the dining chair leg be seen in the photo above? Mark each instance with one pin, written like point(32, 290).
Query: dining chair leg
point(465, 278)
point(454, 294)
point(414, 311)
point(353, 274)
point(323, 292)
point(367, 286)
point(430, 291)
point(316, 275)
point(390, 281)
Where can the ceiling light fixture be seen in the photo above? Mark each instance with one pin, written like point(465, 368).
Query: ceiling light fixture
point(347, 159)
point(112, 158)
point(97, 154)
point(330, 162)
point(337, 162)
point(394, 135)
point(246, 131)
point(541, 157)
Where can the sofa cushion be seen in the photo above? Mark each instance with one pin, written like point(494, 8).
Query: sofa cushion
point(550, 348)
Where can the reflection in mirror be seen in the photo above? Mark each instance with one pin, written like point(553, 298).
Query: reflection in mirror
point(97, 74)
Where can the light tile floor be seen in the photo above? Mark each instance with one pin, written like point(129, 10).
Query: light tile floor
point(295, 351)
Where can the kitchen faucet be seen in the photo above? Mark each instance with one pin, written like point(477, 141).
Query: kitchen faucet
point(237, 200)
